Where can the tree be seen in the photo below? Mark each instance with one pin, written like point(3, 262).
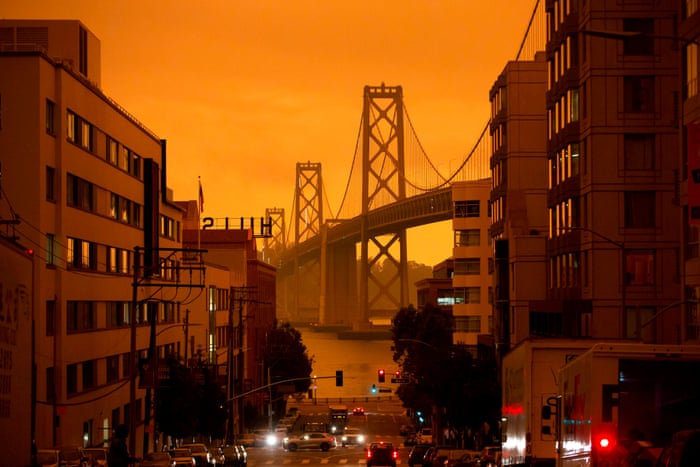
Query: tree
point(287, 359)
point(445, 380)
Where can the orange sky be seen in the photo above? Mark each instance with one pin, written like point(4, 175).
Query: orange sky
point(243, 90)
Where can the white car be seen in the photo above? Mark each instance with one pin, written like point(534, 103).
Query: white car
point(314, 440)
point(425, 436)
point(352, 435)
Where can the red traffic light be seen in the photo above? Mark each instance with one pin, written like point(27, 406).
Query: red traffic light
point(381, 371)
point(380, 375)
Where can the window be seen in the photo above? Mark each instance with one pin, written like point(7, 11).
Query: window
point(136, 165)
point(126, 365)
point(112, 151)
point(467, 208)
point(50, 249)
point(79, 193)
point(639, 94)
point(639, 267)
point(465, 295)
point(545, 324)
point(467, 323)
point(80, 315)
point(81, 253)
point(50, 317)
point(72, 379)
point(50, 184)
point(691, 70)
point(467, 266)
point(124, 158)
point(639, 151)
point(639, 323)
point(89, 374)
point(469, 237)
point(50, 118)
point(642, 44)
point(112, 368)
point(86, 135)
point(117, 314)
point(70, 127)
point(445, 297)
point(640, 209)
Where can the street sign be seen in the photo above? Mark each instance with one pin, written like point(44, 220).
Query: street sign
point(399, 380)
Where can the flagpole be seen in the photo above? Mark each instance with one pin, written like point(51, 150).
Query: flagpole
point(200, 208)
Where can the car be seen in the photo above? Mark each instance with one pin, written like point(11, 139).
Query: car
point(216, 456)
point(71, 456)
point(200, 452)
point(425, 435)
point(182, 457)
point(95, 456)
point(312, 440)
point(48, 457)
point(246, 440)
point(415, 456)
point(358, 411)
point(262, 437)
point(382, 454)
point(352, 435)
point(235, 455)
point(157, 459)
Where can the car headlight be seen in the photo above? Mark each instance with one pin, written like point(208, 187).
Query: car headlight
point(271, 440)
point(344, 438)
point(361, 439)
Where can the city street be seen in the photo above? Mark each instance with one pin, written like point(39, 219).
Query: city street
point(381, 422)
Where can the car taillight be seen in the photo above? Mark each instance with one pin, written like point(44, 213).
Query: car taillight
point(369, 453)
point(395, 454)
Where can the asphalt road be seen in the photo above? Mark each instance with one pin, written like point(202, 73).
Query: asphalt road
point(381, 422)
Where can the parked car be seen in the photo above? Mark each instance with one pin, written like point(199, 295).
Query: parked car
point(314, 440)
point(95, 456)
point(382, 454)
point(71, 456)
point(200, 452)
point(216, 456)
point(352, 435)
point(235, 455)
point(157, 459)
point(48, 457)
point(358, 411)
point(182, 457)
point(415, 456)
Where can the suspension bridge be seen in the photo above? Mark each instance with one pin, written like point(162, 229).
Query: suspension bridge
point(346, 267)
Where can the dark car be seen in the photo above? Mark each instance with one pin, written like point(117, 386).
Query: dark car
point(235, 455)
point(382, 454)
point(415, 457)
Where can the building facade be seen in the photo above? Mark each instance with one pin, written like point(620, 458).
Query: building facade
point(472, 260)
point(612, 158)
point(519, 226)
point(85, 183)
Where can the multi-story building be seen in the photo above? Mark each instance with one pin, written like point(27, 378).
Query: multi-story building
point(519, 226)
point(612, 156)
point(84, 184)
point(689, 31)
point(472, 260)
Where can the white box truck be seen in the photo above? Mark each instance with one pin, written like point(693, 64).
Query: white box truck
point(530, 372)
point(620, 404)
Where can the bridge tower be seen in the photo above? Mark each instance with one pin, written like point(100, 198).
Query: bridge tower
point(308, 223)
point(383, 182)
point(273, 248)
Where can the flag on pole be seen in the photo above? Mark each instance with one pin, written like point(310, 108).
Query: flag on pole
point(201, 196)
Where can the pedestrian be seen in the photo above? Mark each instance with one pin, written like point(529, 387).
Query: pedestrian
point(118, 455)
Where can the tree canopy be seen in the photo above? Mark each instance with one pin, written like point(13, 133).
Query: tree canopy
point(444, 379)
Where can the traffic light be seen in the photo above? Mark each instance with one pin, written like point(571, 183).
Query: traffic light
point(339, 377)
point(380, 375)
point(374, 389)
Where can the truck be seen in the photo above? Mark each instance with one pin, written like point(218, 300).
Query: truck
point(529, 377)
point(337, 418)
point(628, 404)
